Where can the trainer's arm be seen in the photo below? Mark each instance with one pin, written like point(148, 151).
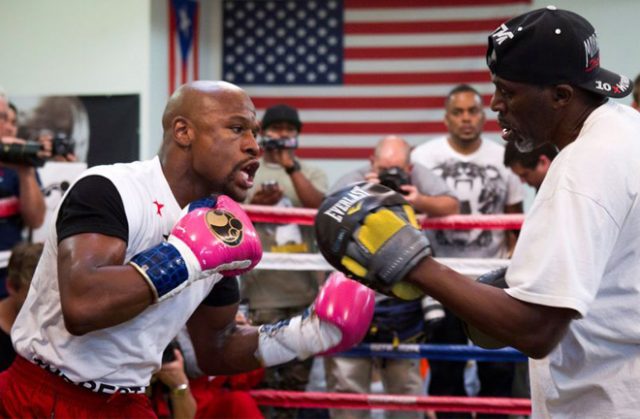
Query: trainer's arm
point(96, 289)
point(531, 328)
point(222, 346)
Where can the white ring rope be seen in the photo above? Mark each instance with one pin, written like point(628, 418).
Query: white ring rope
point(315, 262)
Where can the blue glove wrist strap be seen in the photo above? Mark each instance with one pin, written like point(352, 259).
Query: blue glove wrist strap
point(162, 266)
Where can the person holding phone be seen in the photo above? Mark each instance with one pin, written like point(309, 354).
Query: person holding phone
point(283, 180)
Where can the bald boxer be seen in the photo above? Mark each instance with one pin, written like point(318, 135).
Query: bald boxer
point(573, 297)
point(110, 292)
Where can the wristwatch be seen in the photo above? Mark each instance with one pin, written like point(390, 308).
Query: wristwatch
point(180, 390)
point(293, 169)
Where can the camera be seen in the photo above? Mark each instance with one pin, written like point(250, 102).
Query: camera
point(27, 153)
point(393, 178)
point(268, 143)
point(61, 145)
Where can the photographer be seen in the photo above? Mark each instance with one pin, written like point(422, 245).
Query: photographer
point(21, 200)
point(394, 321)
point(273, 295)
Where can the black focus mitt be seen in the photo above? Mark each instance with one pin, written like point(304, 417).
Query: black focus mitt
point(370, 233)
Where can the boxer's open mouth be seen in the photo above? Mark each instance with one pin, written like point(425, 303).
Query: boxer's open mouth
point(251, 168)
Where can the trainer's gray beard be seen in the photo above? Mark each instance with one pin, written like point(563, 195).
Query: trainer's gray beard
point(525, 145)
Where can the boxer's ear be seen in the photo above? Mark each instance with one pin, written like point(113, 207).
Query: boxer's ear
point(182, 131)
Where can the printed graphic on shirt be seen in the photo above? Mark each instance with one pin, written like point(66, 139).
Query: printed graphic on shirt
point(480, 190)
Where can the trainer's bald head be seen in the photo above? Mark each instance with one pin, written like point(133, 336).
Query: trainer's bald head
point(195, 99)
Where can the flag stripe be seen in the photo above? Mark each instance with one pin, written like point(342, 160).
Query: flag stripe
point(195, 46)
point(416, 40)
point(172, 49)
point(386, 4)
point(397, 102)
point(487, 25)
point(415, 52)
point(335, 152)
point(381, 128)
point(479, 76)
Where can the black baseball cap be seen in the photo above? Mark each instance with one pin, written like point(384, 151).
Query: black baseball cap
point(281, 113)
point(551, 46)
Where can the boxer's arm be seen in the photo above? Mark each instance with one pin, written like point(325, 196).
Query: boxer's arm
point(337, 320)
point(96, 290)
point(531, 328)
point(222, 346)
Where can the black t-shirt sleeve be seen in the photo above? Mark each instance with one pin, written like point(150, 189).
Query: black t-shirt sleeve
point(93, 205)
point(224, 293)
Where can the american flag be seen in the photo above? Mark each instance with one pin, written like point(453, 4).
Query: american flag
point(360, 69)
point(183, 42)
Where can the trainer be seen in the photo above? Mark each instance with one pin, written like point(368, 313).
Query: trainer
point(110, 293)
point(573, 296)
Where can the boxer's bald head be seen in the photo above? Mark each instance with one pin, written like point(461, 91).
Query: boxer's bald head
point(194, 100)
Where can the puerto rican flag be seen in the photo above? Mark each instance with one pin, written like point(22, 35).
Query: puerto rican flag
point(183, 42)
point(360, 69)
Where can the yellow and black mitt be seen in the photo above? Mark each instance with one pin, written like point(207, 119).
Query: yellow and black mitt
point(370, 233)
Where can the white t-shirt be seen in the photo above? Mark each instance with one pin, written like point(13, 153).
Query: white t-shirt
point(482, 183)
point(579, 248)
point(121, 357)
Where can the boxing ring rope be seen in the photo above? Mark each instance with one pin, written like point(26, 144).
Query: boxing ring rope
point(466, 266)
point(315, 262)
point(439, 352)
point(306, 216)
point(299, 399)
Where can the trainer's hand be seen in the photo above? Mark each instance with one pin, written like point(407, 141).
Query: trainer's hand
point(370, 233)
point(213, 236)
point(337, 320)
point(494, 278)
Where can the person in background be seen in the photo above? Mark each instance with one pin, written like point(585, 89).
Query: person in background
point(472, 166)
point(171, 394)
point(22, 264)
point(395, 321)
point(530, 167)
point(21, 200)
point(283, 180)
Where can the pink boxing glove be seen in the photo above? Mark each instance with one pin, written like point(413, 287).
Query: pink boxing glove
point(226, 242)
point(337, 320)
point(348, 305)
point(214, 235)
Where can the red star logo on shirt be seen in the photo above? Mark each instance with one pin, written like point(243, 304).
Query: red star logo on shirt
point(159, 207)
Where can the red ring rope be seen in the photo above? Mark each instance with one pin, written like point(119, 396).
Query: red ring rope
point(9, 206)
point(306, 216)
point(298, 399)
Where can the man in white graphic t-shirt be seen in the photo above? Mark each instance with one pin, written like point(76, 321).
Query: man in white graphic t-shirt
point(473, 168)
